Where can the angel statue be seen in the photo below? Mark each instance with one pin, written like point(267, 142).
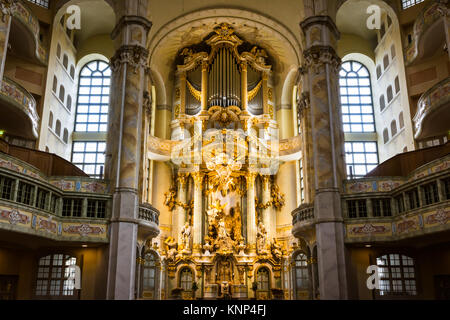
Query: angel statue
point(170, 200)
point(261, 237)
point(276, 250)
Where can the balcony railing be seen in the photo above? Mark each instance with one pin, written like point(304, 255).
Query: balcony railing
point(424, 21)
point(22, 99)
point(303, 213)
point(148, 213)
point(26, 16)
point(436, 97)
point(58, 208)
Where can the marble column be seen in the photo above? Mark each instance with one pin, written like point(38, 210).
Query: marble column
point(251, 212)
point(124, 142)
point(321, 65)
point(181, 211)
point(198, 211)
point(7, 8)
point(266, 213)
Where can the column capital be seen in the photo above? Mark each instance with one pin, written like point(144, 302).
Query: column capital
point(318, 56)
point(198, 178)
point(134, 55)
point(303, 103)
point(182, 178)
point(7, 7)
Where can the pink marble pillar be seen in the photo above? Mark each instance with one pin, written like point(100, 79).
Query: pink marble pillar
point(129, 66)
point(325, 149)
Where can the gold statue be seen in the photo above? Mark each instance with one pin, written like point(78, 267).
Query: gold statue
point(170, 200)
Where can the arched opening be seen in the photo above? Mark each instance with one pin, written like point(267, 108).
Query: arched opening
point(382, 103)
point(58, 51)
point(385, 135)
point(389, 94)
point(62, 93)
point(186, 279)
point(150, 276)
point(58, 128)
point(66, 135)
point(393, 128)
point(55, 84)
point(401, 120)
point(65, 61)
point(50, 120)
point(263, 283)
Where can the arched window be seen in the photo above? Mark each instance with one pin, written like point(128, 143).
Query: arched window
point(55, 84)
point(389, 94)
point(69, 102)
point(393, 128)
point(401, 121)
point(65, 61)
point(393, 52)
point(186, 279)
point(378, 72)
point(386, 61)
point(301, 271)
point(62, 93)
point(72, 71)
point(58, 128)
point(93, 97)
point(92, 117)
point(66, 135)
point(397, 84)
point(382, 103)
point(47, 149)
point(397, 275)
point(385, 135)
point(58, 51)
point(52, 276)
point(262, 279)
point(50, 120)
point(149, 272)
point(356, 98)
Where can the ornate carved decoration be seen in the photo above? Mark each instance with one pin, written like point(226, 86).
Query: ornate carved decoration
point(303, 103)
point(318, 56)
point(7, 7)
point(135, 56)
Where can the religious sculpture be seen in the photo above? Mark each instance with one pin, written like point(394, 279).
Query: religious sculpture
point(171, 250)
point(261, 237)
point(276, 250)
point(170, 200)
point(186, 237)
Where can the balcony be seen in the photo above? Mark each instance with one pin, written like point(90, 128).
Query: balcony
point(24, 35)
point(386, 209)
point(303, 221)
point(73, 209)
point(148, 221)
point(18, 111)
point(433, 111)
point(428, 33)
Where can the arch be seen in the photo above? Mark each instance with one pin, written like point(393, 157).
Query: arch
point(389, 94)
point(393, 128)
point(50, 120)
point(401, 120)
point(72, 71)
point(65, 61)
point(356, 97)
point(186, 278)
point(382, 103)
point(69, 102)
point(262, 280)
point(301, 271)
point(62, 93)
point(397, 84)
point(386, 61)
point(150, 274)
point(66, 135)
point(393, 53)
point(58, 128)
point(47, 149)
point(385, 135)
point(379, 72)
point(55, 84)
point(58, 51)
point(93, 97)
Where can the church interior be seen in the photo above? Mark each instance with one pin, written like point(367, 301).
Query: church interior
point(203, 150)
